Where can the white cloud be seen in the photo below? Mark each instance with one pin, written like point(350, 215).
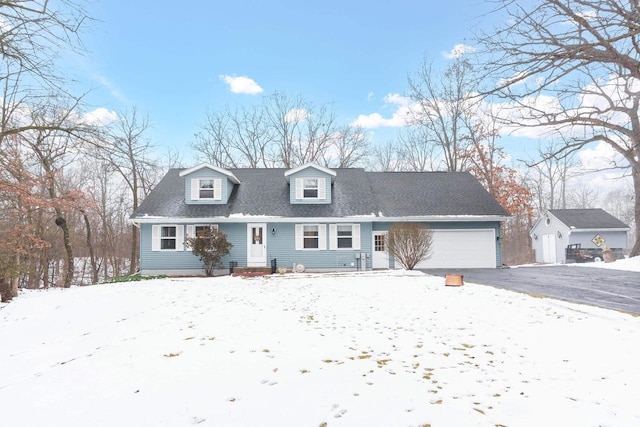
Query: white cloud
point(296, 115)
point(458, 51)
point(100, 117)
point(241, 84)
point(397, 119)
point(601, 156)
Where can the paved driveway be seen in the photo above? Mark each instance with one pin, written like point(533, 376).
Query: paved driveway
point(614, 289)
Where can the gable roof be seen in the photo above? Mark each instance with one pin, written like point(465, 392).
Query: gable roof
point(431, 193)
point(587, 218)
point(329, 172)
point(355, 193)
point(225, 172)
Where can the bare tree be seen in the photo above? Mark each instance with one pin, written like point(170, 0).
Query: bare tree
point(235, 138)
point(583, 196)
point(573, 69)
point(128, 153)
point(282, 131)
point(348, 148)
point(550, 176)
point(416, 151)
point(441, 101)
point(34, 31)
point(385, 157)
point(52, 150)
point(303, 132)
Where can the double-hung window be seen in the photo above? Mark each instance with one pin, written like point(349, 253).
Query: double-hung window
point(310, 188)
point(344, 236)
point(311, 237)
point(206, 190)
point(168, 236)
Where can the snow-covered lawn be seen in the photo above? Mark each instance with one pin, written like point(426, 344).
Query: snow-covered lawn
point(627, 264)
point(368, 349)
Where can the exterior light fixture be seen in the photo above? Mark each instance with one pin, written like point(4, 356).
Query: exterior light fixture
point(559, 235)
point(273, 231)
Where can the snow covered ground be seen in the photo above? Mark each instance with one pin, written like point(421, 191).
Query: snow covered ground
point(361, 349)
point(627, 264)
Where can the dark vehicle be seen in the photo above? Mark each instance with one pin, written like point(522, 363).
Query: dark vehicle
point(576, 253)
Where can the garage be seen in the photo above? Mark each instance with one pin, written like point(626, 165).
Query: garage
point(462, 249)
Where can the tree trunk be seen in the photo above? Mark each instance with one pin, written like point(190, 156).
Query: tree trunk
point(94, 266)
point(5, 295)
point(69, 267)
point(133, 264)
point(635, 251)
point(44, 262)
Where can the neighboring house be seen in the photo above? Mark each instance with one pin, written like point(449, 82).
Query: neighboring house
point(315, 218)
point(591, 228)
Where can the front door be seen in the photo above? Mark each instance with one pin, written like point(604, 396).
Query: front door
point(380, 257)
point(256, 245)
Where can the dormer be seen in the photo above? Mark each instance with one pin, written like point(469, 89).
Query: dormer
point(207, 184)
point(310, 184)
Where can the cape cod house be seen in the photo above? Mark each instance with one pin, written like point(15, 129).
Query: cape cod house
point(315, 219)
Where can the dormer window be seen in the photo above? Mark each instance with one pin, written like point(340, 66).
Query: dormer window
point(310, 188)
point(206, 189)
point(310, 184)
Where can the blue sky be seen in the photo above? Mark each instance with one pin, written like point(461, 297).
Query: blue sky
point(169, 61)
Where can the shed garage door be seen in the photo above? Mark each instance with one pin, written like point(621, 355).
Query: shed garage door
point(462, 249)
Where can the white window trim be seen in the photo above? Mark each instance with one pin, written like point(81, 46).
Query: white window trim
point(355, 237)
point(195, 189)
point(156, 237)
point(322, 188)
point(322, 237)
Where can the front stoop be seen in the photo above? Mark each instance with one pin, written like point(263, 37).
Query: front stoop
point(251, 271)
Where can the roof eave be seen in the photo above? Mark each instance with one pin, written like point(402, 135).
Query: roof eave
point(225, 172)
point(352, 218)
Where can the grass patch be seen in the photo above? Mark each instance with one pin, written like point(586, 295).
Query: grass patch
point(133, 278)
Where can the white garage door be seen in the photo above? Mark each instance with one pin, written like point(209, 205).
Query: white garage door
point(462, 249)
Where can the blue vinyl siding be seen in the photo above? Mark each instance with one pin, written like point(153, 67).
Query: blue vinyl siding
point(310, 173)
point(206, 173)
point(184, 260)
point(614, 239)
point(281, 246)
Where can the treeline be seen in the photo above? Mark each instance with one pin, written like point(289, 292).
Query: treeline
point(70, 176)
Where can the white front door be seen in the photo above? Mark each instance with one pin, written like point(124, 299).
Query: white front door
point(256, 245)
point(380, 258)
point(549, 248)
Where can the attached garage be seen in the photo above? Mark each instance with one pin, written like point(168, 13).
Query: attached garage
point(462, 249)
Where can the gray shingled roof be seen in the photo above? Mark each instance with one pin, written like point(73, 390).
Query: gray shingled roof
point(587, 218)
point(354, 193)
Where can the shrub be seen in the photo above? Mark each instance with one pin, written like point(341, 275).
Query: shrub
point(210, 246)
point(409, 243)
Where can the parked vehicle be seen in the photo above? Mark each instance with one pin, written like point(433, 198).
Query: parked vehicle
point(576, 253)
